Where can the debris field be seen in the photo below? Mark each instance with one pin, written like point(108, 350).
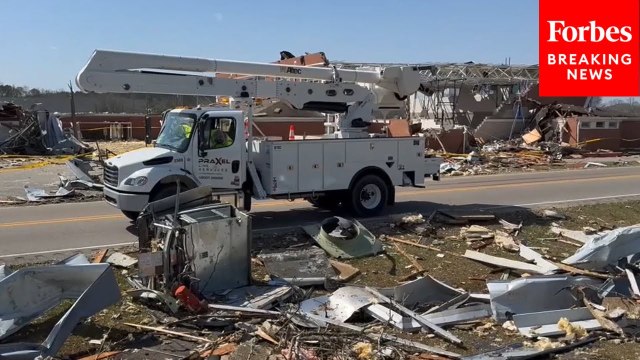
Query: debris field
point(450, 284)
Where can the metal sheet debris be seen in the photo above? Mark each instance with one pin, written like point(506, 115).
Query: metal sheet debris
point(29, 292)
point(344, 239)
point(155, 296)
point(217, 246)
point(607, 250)
point(459, 315)
point(340, 305)
point(534, 294)
point(426, 290)
point(388, 316)
point(300, 264)
point(377, 337)
point(258, 297)
point(39, 194)
point(417, 317)
point(545, 323)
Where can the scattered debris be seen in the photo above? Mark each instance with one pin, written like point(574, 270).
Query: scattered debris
point(502, 262)
point(608, 249)
point(121, 260)
point(40, 194)
point(41, 133)
point(299, 267)
point(590, 164)
point(346, 272)
point(344, 239)
point(552, 214)
point(29, 292)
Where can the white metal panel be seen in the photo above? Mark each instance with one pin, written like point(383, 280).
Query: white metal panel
point(284, 168)
point(411, 156)
point(334, 165)
point(310, 166)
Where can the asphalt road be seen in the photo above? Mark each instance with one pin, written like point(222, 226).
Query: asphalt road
point(46, 229)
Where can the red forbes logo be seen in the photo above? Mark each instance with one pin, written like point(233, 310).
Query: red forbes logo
point(589, 48)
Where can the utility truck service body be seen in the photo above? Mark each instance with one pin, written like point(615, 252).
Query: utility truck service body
point(215, 147)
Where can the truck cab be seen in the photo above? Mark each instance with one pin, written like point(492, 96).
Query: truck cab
point(201, 146)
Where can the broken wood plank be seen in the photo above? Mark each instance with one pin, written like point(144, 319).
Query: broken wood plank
point(224, 349)
point(170, 332)
point(100, 256)
point(429, 247)
point(346, 271)
point(467, 216)
point(411, 259)
point(413, 275)
point(575, 270)
point(243, 309)
point(531, 255)
point(266, 336)
point(374, 337)
point(502, 262)
point(632, 280)
point(101, 356)
point(417, 317)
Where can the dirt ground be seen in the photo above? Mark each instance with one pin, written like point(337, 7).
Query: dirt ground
point(385, 270)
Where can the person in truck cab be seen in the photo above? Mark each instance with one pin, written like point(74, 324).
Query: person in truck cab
point(220, 139)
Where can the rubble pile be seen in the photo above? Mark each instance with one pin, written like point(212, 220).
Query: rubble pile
point(501, 156)
point(39, 133)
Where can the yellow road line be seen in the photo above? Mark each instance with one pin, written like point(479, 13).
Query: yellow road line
point(276, 203)
point(62, 220)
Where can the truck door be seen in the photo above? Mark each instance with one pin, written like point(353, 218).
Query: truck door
point(218, 154)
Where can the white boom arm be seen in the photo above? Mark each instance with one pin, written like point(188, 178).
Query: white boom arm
point(403, 80)
point(119, 72)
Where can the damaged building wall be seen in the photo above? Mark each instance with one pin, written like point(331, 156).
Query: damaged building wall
point(496, 129)
point(600, 132)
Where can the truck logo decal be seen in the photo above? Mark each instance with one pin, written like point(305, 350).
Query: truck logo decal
point(290, 70)
point(215, 161)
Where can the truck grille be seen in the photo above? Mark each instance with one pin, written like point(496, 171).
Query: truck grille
point(110, 175)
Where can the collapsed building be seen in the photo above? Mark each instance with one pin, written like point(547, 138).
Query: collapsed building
point(35, 132)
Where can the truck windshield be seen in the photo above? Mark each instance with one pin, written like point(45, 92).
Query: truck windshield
point(176, 131)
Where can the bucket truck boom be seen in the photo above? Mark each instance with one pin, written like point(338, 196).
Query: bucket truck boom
point(208, 147)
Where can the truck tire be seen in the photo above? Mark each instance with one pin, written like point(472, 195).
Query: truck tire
point(163, 192)
point(368, 196)
point(132, 215)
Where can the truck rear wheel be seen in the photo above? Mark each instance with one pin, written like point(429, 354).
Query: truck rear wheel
point(368, 196)
point(328, 202)
point(132, 215)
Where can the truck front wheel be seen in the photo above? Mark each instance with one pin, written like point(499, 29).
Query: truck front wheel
point(132, 215)
point(368, 196)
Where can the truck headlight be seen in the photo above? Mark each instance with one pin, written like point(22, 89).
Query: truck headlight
point(137, 181)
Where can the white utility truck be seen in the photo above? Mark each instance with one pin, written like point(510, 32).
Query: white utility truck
point(214, 146)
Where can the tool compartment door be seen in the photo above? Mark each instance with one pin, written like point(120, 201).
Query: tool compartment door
point(284, 168)
point(310, 166)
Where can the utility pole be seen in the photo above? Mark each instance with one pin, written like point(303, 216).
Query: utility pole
point(73, 110)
